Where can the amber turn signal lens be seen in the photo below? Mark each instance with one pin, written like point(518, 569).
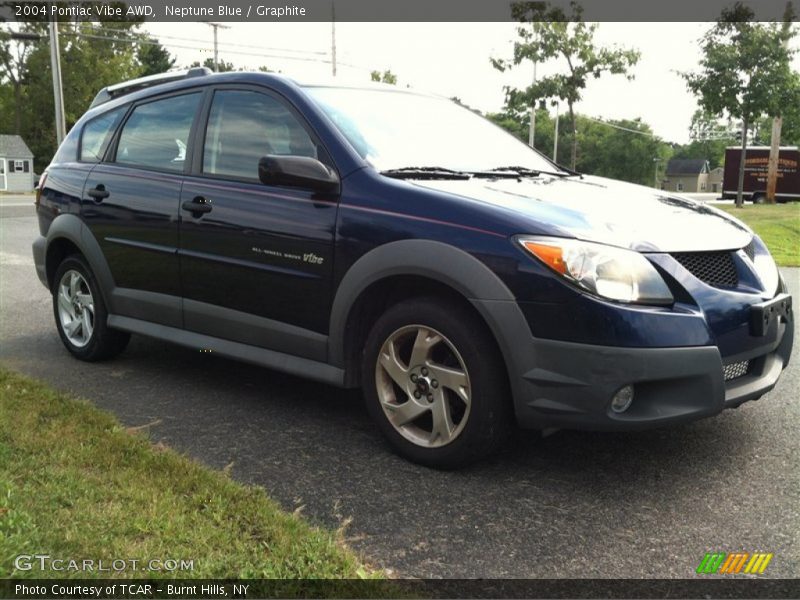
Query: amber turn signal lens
point(552, 256)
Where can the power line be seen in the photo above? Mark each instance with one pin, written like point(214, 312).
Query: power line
point(199, 41)
point(151, 42)
point(647, 133)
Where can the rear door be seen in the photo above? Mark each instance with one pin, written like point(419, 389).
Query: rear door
point(131, 205)
point(256, 263)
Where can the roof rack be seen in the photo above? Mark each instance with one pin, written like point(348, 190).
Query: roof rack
point(134, 85)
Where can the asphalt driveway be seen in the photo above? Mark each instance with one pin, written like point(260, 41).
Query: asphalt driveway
point(570, 505)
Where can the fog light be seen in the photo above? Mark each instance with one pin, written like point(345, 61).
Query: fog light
point(622, 399)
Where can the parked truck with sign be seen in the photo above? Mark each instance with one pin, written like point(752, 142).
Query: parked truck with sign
point(755, 173)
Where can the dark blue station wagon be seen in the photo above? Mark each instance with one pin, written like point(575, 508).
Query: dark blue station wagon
point(380, 238)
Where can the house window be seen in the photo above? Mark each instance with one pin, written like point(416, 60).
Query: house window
point(702, 186)
point(21, 166)
point(679, 187)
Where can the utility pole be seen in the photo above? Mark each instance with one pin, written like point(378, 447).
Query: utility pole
point(656, 160)
point(58, 91)
point(774, 154)
point(333, 38)
point(555, 136)
point(216, 53)
point(532, 128)
point(777, 124)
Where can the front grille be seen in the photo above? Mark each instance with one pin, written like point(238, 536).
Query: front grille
point(734, 370)
point(713, 268)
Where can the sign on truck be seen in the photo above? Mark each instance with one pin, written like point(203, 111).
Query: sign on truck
point(755, 173)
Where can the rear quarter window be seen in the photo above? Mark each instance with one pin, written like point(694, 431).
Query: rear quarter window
point(68, 150)
point(97, 133)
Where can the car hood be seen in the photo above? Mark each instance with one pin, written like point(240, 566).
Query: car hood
point(607, 211)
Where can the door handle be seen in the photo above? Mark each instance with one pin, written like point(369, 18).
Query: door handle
point(99, 193)
point(197, 206)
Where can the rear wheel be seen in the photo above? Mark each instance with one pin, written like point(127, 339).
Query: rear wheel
point(81, 314)
point(758, 198)
point(434, 383)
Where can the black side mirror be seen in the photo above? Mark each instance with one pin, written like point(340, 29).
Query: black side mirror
point(298, 171)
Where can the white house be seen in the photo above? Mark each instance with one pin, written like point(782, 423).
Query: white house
point(16, 165)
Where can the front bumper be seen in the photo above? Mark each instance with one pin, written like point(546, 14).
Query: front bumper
point(571, 385)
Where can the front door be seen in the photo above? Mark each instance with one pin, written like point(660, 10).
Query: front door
point(3, 184)
point(256, 260)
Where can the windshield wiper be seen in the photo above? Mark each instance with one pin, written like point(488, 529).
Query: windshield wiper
point(425, 173)
point(525, 172)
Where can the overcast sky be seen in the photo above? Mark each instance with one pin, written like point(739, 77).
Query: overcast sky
point(452, 59)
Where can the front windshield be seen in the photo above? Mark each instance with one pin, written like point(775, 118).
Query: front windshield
point(399, 130)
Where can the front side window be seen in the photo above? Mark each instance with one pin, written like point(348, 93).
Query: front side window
point(156, 134)
point(96, 134)
point(244, 126)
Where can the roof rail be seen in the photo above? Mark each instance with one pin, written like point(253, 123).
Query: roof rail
point(134, 85)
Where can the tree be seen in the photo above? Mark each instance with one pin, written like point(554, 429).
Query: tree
point(623, 149)
point(710, 136)
point(706, 126)
point(154, 58)
point(222, 66)
point(108, 60)
point(745, 72)
point(547, 33)
point(386, 77)
point(517, 123)
point(14, 63)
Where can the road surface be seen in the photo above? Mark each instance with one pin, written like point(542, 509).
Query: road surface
point(570, 505)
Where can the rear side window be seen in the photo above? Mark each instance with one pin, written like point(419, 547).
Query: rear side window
point(156, 134)
point(243, 126)
point(96, 134)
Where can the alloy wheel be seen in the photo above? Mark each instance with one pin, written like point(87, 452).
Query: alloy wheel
point(75, 308)
point(423, 386)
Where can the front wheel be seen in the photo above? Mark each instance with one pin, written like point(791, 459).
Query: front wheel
point(435, 384)
point(81, 314)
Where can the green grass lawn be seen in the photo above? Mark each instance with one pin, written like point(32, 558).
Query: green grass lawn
point(777, 224)
point(74, 483)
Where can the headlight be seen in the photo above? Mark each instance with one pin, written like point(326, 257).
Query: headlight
point(606, 271)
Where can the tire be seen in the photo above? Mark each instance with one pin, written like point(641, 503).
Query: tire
point(81, 314)
point(757, 198)
point(441, 424)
